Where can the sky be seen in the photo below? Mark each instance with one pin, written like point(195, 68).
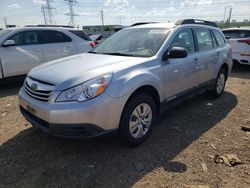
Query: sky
point(125, 12)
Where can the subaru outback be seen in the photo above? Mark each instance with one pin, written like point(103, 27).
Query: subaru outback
point(121, 84)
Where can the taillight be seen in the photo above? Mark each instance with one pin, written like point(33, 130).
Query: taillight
point(246, 41)
point(92, 44)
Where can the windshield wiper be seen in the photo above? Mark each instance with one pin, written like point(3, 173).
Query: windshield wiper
point(92, 52)
point(117, 53)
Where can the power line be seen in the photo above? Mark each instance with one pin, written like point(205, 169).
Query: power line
point(71, 12)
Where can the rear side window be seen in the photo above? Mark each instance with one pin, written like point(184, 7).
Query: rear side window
point(204, 40)
point(81, 34)
point(55, 37)
point(214, 40)
point(219, 38)
point(236, 34)
point(185, 40)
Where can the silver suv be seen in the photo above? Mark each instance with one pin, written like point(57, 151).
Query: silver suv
point(120, 85)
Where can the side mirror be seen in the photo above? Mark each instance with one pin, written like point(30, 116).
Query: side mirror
point(227, 37)
point(175, 52)
point(9, 43)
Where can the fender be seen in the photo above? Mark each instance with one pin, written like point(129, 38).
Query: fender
point(134, 80)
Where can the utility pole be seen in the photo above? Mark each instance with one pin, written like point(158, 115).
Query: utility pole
point(44, 15)
point(47, 11)
point(225, 11)
point(120, 19)
point(230, 15)
point(102, 19)
point(5, 22)
point(71, 12)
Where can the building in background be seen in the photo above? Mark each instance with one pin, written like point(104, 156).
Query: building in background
point(106, 30)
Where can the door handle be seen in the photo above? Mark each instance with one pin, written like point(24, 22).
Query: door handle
point(196, 61)
point(67, 47)
point(37, 50)
point(218, 53)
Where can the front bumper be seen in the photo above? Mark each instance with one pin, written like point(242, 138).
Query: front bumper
point(92, 118)
point(68, 131)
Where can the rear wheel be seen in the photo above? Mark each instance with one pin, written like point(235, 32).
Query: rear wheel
point(137, 119)
point(219, 86)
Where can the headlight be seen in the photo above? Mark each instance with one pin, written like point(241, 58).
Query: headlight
point(86, 90)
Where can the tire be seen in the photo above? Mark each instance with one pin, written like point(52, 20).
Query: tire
point(219, 85)
point(137, 119)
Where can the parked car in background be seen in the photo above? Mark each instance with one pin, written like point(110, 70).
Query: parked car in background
point(22, 49)
point(239, 38)
point(121, 84)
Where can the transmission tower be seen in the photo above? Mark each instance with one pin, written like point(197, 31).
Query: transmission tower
point(71, 12)
point(47, 11)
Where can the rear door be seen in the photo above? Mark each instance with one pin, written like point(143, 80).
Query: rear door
point(24, 55)
point(56, 45)
point(207, 55)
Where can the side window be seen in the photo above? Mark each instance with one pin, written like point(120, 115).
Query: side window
point(16, 38)
point(204, 40)
point(55, 37)
point(185, 40)
point(29, 38)
point(219, 38)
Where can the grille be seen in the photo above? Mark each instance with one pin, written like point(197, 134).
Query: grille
point(42, 92)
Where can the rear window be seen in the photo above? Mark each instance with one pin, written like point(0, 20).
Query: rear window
point(235, 34)
point(81, 34)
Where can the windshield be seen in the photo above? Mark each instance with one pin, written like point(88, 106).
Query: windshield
point(138, 42)
point(3, 32)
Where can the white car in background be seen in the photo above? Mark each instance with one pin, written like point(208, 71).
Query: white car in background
point(239, 38)
point(22, 49)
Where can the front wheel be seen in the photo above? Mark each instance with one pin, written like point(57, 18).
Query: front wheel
point(219, 86)
point(137, 119)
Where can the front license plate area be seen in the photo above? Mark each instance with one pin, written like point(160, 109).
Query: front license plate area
point(30, 109)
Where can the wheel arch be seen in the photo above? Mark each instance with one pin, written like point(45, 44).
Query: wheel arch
point(149, 90)
point(226, 68)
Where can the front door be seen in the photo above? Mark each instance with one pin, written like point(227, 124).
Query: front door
point(180, 74)
point(20, 58)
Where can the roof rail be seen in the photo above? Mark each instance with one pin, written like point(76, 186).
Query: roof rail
point(141, 23)
point(196, 21)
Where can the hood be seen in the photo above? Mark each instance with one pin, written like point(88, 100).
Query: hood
point(73, 70)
